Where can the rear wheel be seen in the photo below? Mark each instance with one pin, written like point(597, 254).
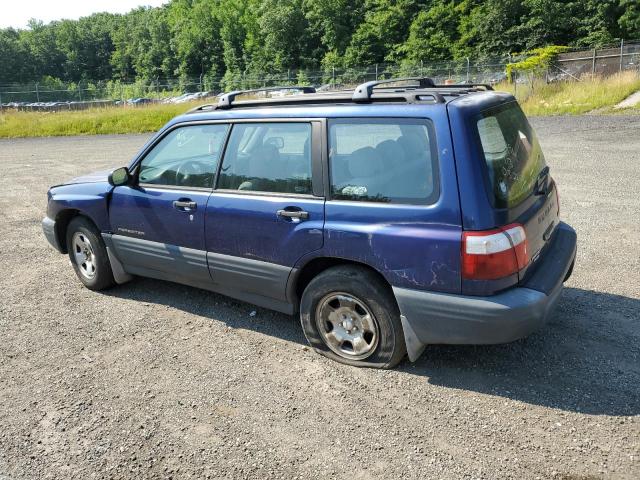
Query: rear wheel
point(88, 255)
point(349, 315)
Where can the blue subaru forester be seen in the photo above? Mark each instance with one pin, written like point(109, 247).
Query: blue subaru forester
point(392, 216)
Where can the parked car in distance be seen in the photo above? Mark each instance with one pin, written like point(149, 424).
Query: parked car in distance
point(388, 217)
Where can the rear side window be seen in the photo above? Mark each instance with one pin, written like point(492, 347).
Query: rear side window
point(268, 157)
point(512, 154)
point(383, 160)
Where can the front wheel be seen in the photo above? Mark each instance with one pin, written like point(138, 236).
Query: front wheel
point(349, 315)
point(88, 255)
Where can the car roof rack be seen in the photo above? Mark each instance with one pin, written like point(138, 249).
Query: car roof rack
point(363, 92)
point(486, 86)
point(226, 100)
point(421, 90)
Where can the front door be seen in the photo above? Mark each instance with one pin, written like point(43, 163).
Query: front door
point(268, 208)
point(158, 221)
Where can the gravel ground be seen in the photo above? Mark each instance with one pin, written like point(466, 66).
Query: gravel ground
point(156, 380)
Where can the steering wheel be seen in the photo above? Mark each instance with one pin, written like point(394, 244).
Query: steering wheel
point(188, 172)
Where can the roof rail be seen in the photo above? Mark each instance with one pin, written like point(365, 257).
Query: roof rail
point(226, 100)
point(486, 86)
point(363, 92)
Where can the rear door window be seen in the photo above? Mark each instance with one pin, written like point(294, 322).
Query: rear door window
point(268, 157)
point(383, 160)
point(512, 154)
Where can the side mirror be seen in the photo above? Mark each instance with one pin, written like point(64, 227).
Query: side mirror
point(120, 176)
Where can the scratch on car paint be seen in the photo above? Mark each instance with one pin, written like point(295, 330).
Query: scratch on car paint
point(436, 268)
point(409, 275)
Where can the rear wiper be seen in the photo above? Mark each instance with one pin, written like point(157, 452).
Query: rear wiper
point(542, 182)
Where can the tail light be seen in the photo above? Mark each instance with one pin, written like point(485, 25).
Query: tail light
point(493, 254)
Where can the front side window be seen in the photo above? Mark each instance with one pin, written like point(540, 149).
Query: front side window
point(512, 154)
point(185, 157)
point(268, 157)
point(383, 160)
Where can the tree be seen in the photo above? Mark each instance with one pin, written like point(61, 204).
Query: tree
point(629, 20)
point(143, 45)
point(14, 58)
point(432, 34)
point(548, 22)
point(493, 28)
point(251, 42)
point(40, 41)
point(233, 32)
point(332, 23)
point(385, 27)
point(195, 36)
point(87, 47)
point(598, 24)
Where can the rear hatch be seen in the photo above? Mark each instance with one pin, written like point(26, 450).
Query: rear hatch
point(520, 187)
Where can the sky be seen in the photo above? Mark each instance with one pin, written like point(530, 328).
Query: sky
point(16, 13)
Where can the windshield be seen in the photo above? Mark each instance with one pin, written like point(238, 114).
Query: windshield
point(512, 154)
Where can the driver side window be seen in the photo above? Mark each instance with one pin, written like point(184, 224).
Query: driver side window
point(186, 157)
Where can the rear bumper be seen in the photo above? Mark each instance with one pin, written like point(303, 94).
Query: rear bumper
point(50, 233)
point(431, 317)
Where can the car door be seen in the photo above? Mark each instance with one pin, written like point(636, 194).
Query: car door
point(158, 220)
point(268, 208)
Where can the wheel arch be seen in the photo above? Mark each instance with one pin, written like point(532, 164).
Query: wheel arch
point(316, 266)
point(63, 219)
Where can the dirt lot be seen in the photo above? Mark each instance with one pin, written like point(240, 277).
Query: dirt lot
point(155, 380)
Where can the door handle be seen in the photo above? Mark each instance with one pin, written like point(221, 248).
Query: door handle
point(294, 215)
point(185, 205)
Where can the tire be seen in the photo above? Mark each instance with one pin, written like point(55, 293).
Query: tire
point(351, 302)
point(84, 242)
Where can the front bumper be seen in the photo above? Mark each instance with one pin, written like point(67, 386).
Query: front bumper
point(50, 232)
point(431, 317)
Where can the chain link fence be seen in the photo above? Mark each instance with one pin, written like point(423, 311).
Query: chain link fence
point(55, 95)
point(598, 61)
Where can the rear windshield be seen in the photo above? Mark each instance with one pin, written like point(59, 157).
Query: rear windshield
point(512, 153)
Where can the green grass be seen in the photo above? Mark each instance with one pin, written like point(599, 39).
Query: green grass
point(592, 94)
point(573, 98)
point(89, 122)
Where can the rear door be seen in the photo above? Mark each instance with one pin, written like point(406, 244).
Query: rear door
point(521, 188)
point(268, 208)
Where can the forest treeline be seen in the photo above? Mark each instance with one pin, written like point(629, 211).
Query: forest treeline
point(224, 38)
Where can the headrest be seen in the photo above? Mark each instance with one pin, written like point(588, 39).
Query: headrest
point(364, 162)
point(413, 144)
point(391, 152)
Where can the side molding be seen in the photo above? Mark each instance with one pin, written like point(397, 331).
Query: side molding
point(252, 276)
point(181, 262)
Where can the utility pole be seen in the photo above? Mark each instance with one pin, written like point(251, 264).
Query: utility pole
point(593, 62)
point(621, 52)
point(467, 69)
point(37, 94)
